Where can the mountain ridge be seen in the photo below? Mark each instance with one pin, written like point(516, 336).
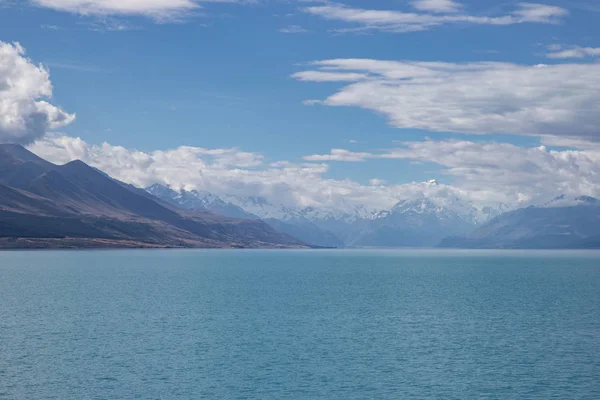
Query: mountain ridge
point(410, 222)
point(83, 205)
point(554, 225)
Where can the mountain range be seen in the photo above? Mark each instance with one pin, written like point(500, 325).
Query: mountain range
point(420, 222)
point(43, 205)
point(74, 205)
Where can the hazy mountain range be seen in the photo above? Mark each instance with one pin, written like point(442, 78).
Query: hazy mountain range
point(422, 222)
point(410, 223)
point(561, 223)
point(75, 205)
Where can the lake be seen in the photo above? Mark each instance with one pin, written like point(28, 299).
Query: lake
point(356, 324)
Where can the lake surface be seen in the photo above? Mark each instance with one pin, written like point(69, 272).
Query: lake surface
point(299, 325)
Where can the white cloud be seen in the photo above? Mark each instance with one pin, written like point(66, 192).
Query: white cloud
point(339, 155)
point(324, 76)
point(439, 6)
point(377, 182)
point(293, 29)
point(400, 22)
point(530, 174)
point(161, 10)
point(499, 172)
point(25, 88)
point(542, 13)
point(220, 171)
point(50, 27)
point(477, 98)
point(563, 52)
point(575, 143)
point(484, 173)
point(311, 102)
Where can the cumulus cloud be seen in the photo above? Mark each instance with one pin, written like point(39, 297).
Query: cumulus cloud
point(476, 98)
point(25, 91)
point(437, 13)
point(528, 174)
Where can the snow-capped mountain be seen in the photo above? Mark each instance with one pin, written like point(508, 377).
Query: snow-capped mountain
point(162, 192)
point(199, 200)
point(427, 206)
point(445, 208)
point(411, 222)
point(287, 220)
point(415, 223)
point(316, 226)
point(348, 213)
point(263, 208)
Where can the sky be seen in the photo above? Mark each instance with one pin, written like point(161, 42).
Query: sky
point(312, 103)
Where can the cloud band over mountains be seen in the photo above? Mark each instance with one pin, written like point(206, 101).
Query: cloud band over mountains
point(484, 173)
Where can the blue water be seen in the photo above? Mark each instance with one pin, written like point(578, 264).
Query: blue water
point(299, 325)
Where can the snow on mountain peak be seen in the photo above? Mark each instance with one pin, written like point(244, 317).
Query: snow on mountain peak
point(163, 192)
point(445, 207)
point(438, 203)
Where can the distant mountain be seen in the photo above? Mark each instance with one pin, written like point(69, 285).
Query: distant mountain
point(561, 223)
point(414, 223)
point(419, 221)
point(75, 205)
point(285, 220)
point(263, 208)
point(327, 227)
point(196, 200)
point(306, 231)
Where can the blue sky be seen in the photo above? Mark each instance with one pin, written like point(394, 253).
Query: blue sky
point(222, 76)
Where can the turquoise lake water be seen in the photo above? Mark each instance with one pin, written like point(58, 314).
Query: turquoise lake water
point(299, 325)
